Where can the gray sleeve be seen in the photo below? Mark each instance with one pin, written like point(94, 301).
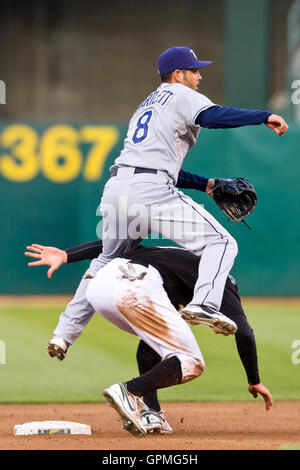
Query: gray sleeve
point(191, 104)
point(76, 316)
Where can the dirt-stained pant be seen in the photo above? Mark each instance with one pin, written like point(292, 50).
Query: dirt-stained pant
point(141, 307)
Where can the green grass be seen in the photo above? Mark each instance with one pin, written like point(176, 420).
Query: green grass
point(289, 447)
point(104, 355)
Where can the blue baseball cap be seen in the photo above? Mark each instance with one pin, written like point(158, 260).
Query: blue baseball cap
point(179, 58)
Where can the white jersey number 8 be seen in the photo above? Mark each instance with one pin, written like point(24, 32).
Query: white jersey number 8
point(142, 128)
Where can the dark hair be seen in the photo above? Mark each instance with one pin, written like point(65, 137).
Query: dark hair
point(168, 76)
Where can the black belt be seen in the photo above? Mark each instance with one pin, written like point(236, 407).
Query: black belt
point(136, 170)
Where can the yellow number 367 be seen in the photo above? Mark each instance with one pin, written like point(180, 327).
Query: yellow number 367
point(56, 154)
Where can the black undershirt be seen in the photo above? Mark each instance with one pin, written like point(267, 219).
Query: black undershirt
point(179, 271)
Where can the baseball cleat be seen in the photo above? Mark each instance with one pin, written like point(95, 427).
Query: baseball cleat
point(165, 426)
point(128, 406)
point(151, 421)
point(200, 314)
point(155, 422)
point(57, 347)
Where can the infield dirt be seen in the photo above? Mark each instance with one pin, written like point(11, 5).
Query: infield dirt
point(196, 426)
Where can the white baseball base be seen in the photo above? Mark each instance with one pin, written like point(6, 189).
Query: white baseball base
point(51, 427)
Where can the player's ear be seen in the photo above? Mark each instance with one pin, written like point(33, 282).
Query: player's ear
point(177, 76)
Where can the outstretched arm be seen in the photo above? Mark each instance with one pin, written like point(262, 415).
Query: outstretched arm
point(54, 257)
point(246, 347)
point(217, 117)
point(245, 341)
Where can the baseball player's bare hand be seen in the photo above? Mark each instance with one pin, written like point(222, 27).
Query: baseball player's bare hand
point(210, 186)
point(277, 124)
point(260, 389)
point(46, 255)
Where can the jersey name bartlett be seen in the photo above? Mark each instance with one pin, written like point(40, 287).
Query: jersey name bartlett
point(160, 97)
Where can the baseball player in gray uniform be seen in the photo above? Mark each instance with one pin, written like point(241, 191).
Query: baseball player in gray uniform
point(141, 196)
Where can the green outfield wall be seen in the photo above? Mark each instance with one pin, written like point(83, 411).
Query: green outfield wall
point(52, 176)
